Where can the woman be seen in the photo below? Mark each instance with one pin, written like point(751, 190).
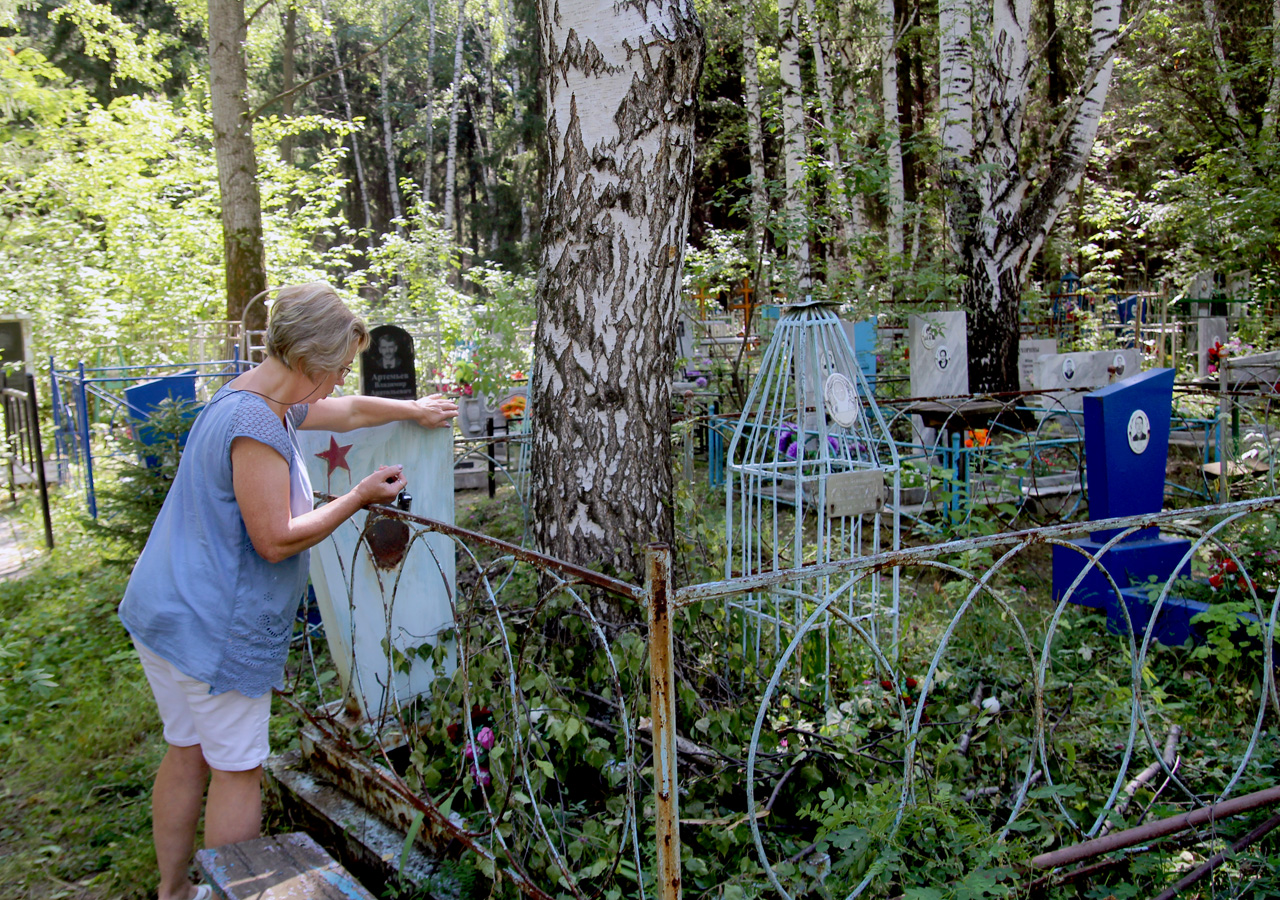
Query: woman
point(211, 601)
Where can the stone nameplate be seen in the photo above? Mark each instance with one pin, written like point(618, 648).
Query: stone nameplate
point(855, 493)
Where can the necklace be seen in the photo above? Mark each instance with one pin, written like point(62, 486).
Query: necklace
point(314, 388)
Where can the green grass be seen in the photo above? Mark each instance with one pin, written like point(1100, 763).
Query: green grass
point(79, 734)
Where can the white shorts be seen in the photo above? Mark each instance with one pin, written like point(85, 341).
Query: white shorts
point(230, 728)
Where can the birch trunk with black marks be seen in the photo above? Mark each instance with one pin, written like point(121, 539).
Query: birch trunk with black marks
point(288, 76)
point(1273, 89)
point(619, 90)
point(244, 261)
point(1000, 209)
point(892, 129)
point(794, 145)
point(388, 132)
point(429, 136)
point(755, 127)
point(356, 158)
point(451, 149)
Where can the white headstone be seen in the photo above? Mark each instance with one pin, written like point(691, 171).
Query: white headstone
point(1201, 286)
point(939, 348)
point(1029, 350)
point(1209, 331)
point(1094, 369)
point(366, 605)
point(685, 344)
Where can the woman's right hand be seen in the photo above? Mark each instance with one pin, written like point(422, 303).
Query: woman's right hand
point(382, 486)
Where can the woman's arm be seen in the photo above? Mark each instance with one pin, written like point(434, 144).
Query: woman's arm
point(260, 477)
point(348, 413)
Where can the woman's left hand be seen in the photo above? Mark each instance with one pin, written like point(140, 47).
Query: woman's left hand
point(435, 411)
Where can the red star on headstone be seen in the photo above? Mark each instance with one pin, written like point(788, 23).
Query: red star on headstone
point(336, 456)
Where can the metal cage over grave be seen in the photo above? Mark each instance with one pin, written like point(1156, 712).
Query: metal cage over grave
point(812, 477)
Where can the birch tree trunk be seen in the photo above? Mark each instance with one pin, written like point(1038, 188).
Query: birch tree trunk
point(288, 74)
point(455, 105)
point(794, 143)
point(755, 127)
point(356, 158)
point(517, 115)
point(619, 87)
point(485, 131)
point(241, 203)
point(892, 128)
point(388, 136)
point(1272, 108)
point(429, 152)
point(998, 214)
point(1226, 94)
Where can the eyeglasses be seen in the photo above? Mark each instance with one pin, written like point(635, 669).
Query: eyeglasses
point(343, 373)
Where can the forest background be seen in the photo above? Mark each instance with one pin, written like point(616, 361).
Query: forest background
point(398, 154)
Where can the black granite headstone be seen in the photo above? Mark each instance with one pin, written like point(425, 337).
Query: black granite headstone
point(386, 368)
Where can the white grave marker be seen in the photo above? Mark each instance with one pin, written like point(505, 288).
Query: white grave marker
point(939, 345)
point(1209, 331)
point(366, 604)
point(1029, 350)
point(1061, 372)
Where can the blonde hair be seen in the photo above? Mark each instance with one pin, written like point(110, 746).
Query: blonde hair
point(312, 331)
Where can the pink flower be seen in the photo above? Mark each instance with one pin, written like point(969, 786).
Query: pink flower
point(469, 751)
point(485, 737)
point(481, 774)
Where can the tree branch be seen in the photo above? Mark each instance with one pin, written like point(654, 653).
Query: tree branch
point(253, 15)
point(334, 71)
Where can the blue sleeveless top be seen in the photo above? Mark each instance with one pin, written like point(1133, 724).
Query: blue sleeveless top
point(200, 596)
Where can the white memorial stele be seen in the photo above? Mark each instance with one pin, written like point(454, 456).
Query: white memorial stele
point(1058, 374)
point(367, 608)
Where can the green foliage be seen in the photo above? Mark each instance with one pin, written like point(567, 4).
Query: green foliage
point(129, 499)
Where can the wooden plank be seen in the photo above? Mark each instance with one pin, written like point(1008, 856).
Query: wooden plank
point(279, 867)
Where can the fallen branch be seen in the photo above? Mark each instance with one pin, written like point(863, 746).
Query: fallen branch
point(1161, 828)
point(1151, 771)
point(1216, 860)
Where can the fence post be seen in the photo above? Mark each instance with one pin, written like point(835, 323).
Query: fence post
point(82, 403)
point(666, 806)
point(1224, 422)
point(33, 408)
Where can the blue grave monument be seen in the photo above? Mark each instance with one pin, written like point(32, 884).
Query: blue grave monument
point(1126, 439)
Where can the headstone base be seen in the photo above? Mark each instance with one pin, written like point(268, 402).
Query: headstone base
point(1130, 563)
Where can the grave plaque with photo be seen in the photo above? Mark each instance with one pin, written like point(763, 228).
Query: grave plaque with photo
point(386, 368)
point(939, 348)
point(1090, 369)
point(1029, 350)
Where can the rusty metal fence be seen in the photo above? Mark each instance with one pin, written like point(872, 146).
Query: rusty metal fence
point(577, 783)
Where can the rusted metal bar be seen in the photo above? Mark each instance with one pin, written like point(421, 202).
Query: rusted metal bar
point(574, 572)
point(1162, 828)
point(1217, 859)
point(663, 692)
point(892, 558)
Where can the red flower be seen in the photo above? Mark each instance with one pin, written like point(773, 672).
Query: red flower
point(887, 684)
point(911, 683)
point(1229, 566)
point(455, 732)
point(1215, 580)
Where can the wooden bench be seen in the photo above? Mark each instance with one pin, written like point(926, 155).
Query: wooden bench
point(280, 867)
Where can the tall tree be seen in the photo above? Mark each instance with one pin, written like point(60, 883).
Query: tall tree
point(795, 144)
point(619, 82)
point(246, 264)
point(1001, 208)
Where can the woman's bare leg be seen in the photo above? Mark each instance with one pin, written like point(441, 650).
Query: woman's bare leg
point(234, 810)
point(175, 812)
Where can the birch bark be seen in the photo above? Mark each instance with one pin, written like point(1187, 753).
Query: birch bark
point(388, 134)
point(361, 185)
point(794, 143)
point(244, 261)
point(619, 87)
point(755, 126)
point(451, 149)
point(998, 214)
point(892, 127)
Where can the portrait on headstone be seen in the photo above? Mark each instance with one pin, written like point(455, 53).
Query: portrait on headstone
point(386, 368)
